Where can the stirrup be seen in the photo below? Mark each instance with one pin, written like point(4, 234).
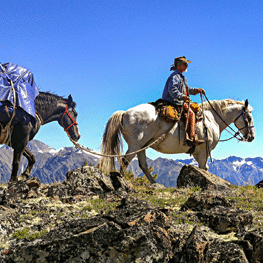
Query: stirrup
point(196, 141)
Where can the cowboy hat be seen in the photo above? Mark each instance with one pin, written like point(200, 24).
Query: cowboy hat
point(181, 59)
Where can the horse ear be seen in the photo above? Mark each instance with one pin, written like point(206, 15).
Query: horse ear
point(70, 100)
point(246, 103)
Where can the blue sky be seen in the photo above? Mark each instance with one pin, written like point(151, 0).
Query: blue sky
point(113, 55)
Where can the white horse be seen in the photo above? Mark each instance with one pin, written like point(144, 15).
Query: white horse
point(142, 125)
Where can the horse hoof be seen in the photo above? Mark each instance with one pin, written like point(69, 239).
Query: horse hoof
point(23, 177)
point(12, 181)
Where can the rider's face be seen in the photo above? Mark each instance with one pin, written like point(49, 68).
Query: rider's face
point(182, 67)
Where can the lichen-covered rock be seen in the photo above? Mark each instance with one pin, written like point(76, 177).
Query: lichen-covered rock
point(219, 251)
point(93, 217)
point(83, 181)
point(253, 246)
point(205, 200)
point(135, 232)
point(216, 212)
point(194, 248)
point(191, 176)
point(91, 180)
point(225, 219)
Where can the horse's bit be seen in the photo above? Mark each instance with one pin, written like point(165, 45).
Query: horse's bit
point(73, 121)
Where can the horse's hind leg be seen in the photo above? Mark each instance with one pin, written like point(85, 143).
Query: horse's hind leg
point(143, 165)
point(31, 161)
point(124, 165)
point(126, 161)
point(19, 140)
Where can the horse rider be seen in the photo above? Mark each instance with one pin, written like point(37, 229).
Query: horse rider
point(177, 92)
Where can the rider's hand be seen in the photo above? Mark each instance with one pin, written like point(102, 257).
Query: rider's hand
point(201, 91)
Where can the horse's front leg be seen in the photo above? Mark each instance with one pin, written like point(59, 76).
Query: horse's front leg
point(31, 161)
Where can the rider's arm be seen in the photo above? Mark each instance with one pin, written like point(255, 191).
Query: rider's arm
point(194, 91)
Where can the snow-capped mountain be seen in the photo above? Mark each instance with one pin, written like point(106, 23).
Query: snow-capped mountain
point(52, 165)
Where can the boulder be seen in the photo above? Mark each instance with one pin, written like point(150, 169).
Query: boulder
point(253, 246)
point(224, 219)
point(217, 213)
point(220, 251)
point(191, 176)
point(260, 184)
point(90, 180)
point(199, 201)
point(194, 248)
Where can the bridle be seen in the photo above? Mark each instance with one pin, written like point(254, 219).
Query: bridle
point(73, 121)
point(247, 126)
point(238, 135)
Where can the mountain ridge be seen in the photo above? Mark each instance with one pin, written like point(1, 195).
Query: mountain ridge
point(52, 165)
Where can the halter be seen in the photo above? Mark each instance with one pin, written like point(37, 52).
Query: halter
point(73, 121)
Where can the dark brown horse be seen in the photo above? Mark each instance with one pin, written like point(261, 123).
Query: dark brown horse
point(49, 107)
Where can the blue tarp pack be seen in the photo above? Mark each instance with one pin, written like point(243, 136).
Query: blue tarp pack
point(25, 88)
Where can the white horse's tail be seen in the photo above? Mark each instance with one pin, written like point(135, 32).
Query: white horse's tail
point(111, 142)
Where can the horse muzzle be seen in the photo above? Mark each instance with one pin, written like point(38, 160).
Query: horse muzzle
point(73, 133)
point(250, 138)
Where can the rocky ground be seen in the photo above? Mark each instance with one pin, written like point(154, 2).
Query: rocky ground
point(93, 217)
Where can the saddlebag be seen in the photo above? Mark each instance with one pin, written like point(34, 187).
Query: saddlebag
point(169, 113)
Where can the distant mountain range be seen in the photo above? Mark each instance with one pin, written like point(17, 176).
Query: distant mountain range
point(52, 165)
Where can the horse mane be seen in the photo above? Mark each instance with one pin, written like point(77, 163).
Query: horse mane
point(51, 98)
point(220, 105)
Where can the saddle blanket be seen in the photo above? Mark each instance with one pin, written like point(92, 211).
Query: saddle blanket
point(24, 85)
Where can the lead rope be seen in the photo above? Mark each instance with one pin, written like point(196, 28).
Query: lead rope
point(159, 139)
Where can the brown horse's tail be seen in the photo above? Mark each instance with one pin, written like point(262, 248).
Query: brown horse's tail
point(111, 142)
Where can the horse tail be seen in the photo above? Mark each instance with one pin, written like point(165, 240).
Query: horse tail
point(111, 142)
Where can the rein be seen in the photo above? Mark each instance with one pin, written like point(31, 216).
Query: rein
point(73, 121)
point(236, 134)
